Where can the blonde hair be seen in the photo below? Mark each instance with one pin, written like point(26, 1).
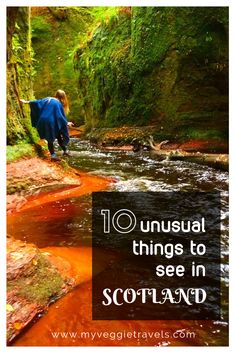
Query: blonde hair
point(61, 96)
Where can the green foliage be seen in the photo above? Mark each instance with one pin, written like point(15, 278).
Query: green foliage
point(20, 150)
point(134, 66)
point(40, 27)
point(55, 33)
point(104, 14)
point(101, 70)
point(146, 65)
point(19, 79)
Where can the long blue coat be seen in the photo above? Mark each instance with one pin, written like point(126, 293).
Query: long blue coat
point(48, 116)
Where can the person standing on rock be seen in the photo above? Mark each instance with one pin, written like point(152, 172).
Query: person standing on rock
point(48, 117)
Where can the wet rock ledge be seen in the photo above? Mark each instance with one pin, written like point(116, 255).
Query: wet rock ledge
point(26, 178)
point(34, 281)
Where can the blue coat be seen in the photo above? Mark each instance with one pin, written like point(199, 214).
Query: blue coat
point(48, 116)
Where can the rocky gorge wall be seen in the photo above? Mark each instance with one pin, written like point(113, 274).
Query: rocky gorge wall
point(166, 67)
point(19, 75)
point(56, 31)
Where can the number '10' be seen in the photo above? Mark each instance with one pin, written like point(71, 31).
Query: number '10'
point(115, 220)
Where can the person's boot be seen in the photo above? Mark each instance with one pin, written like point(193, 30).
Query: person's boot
point(54, 158)
point(66, 153)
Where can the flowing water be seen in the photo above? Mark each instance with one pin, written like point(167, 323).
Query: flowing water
point(67, 223)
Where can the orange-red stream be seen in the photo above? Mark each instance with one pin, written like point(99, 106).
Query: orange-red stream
point(68, 321)
point(72, 314)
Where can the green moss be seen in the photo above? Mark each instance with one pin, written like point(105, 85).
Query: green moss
point(149, 64)
point(19, 75)
point(40, 27)
point(134, 66)
point(55, 33)
point(20, 150)
point(104, 14)
point(41, 286)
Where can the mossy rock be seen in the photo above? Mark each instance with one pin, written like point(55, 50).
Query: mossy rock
point(19, 76)
point(153, 65)
point(30, 274)
point(136, 136)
